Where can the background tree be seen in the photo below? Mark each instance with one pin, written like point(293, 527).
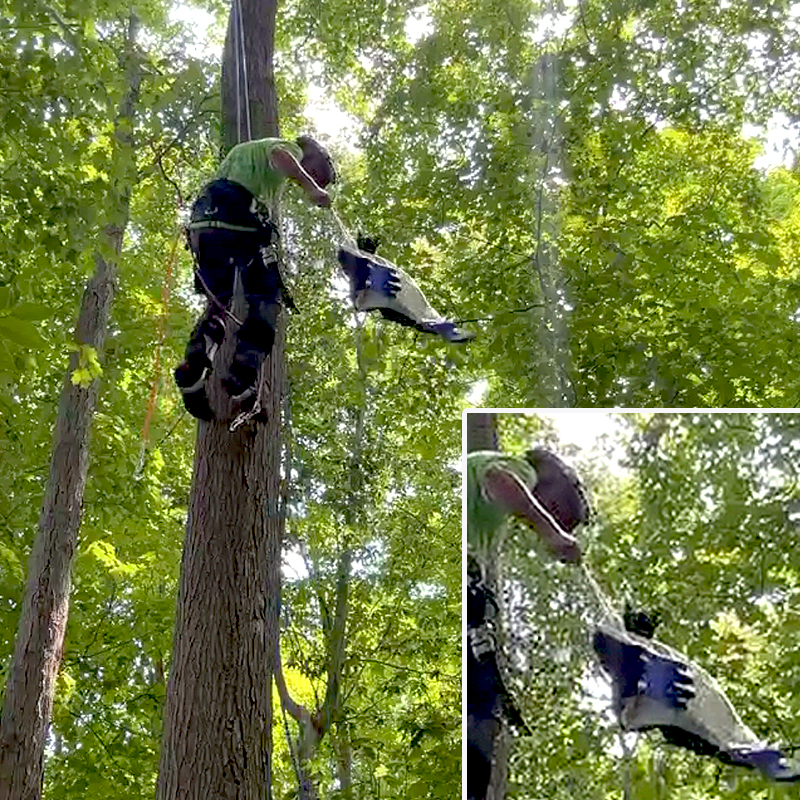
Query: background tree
point(578, 180)
point(29, 693)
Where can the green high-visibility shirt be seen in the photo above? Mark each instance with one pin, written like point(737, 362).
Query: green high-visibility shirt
point(486, 524)
point(248, 164)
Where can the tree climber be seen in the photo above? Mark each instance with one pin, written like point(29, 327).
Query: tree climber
point(232, 228)
point(654, 686)
point(543, 492)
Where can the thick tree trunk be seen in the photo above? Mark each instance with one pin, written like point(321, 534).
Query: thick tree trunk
point(217, 719)
point(481, 431)
point(40, 637)
point(248, 75)
point(218, 715)
point(482, 435)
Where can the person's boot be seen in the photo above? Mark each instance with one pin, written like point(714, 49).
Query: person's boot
point(241, 381)
point(192, 373)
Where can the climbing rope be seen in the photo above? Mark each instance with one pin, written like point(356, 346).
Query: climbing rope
point(240, 57)
point(607, 611)
point(162, 335)
point(346, 234)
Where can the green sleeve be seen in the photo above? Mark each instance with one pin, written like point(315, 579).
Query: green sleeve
point(249, 164)
point(486, 524)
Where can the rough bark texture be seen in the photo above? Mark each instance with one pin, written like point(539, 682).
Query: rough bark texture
point(481, 432)
point(250, 68)
point(217, 719)
point(45, 606)
point(218, 714)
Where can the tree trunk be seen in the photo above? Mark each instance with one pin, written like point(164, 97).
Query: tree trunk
point(248, 75)
point(482, 435)
point(217, 719)
point(218, 716)
point(313, 727)
point(481, 431)
point(40, 637)
point(343, 752)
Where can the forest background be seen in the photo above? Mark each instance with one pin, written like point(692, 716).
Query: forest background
point(573, 182)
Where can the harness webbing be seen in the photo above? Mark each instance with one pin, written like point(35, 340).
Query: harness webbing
point(216, 223)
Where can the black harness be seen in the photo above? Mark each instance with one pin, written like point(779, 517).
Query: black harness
point(487, 695)
point(228, 206)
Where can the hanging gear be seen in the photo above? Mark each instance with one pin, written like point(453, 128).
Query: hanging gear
point(657, 687)
point(377, 284)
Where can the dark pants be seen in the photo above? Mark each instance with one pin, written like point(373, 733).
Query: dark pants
point(483, 695)
point(219, 253)
point(482, 728)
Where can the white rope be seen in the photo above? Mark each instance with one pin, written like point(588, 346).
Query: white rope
point(346, 235)
point(240, 62)
point(236, 54)
point(244, 70)
point(608, 612)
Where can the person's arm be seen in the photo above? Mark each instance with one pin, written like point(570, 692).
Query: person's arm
point(285, 163)
point(508, 491)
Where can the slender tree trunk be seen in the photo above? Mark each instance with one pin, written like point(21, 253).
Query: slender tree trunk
point(40, 637)
point(217, 719)
point(313, 727)
point(344, 761)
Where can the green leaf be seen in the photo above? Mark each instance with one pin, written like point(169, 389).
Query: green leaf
point(21, 332)
point(32, 311)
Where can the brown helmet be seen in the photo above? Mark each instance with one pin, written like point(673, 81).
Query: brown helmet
point(559, 489)
point(311, 146)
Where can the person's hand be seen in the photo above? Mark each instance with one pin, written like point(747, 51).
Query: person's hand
point(568, 552)
point(319, 197)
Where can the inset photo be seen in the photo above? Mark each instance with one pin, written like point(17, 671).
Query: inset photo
point(633, 604)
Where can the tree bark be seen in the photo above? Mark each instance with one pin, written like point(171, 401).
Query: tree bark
point(218, 716)
point(343, 753)
point(248, 74)
point(39, 645)
point(481, 431)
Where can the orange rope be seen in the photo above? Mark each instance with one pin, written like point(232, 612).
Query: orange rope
point(162, 331)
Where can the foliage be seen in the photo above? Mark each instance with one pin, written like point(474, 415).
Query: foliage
point(572, 179)
point(401, 685)
point(696, 524)
point(579, 177)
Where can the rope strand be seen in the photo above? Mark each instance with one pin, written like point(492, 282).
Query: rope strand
point(608, 612)
point(234, 12)
point(243, 54)
point(343, 230)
